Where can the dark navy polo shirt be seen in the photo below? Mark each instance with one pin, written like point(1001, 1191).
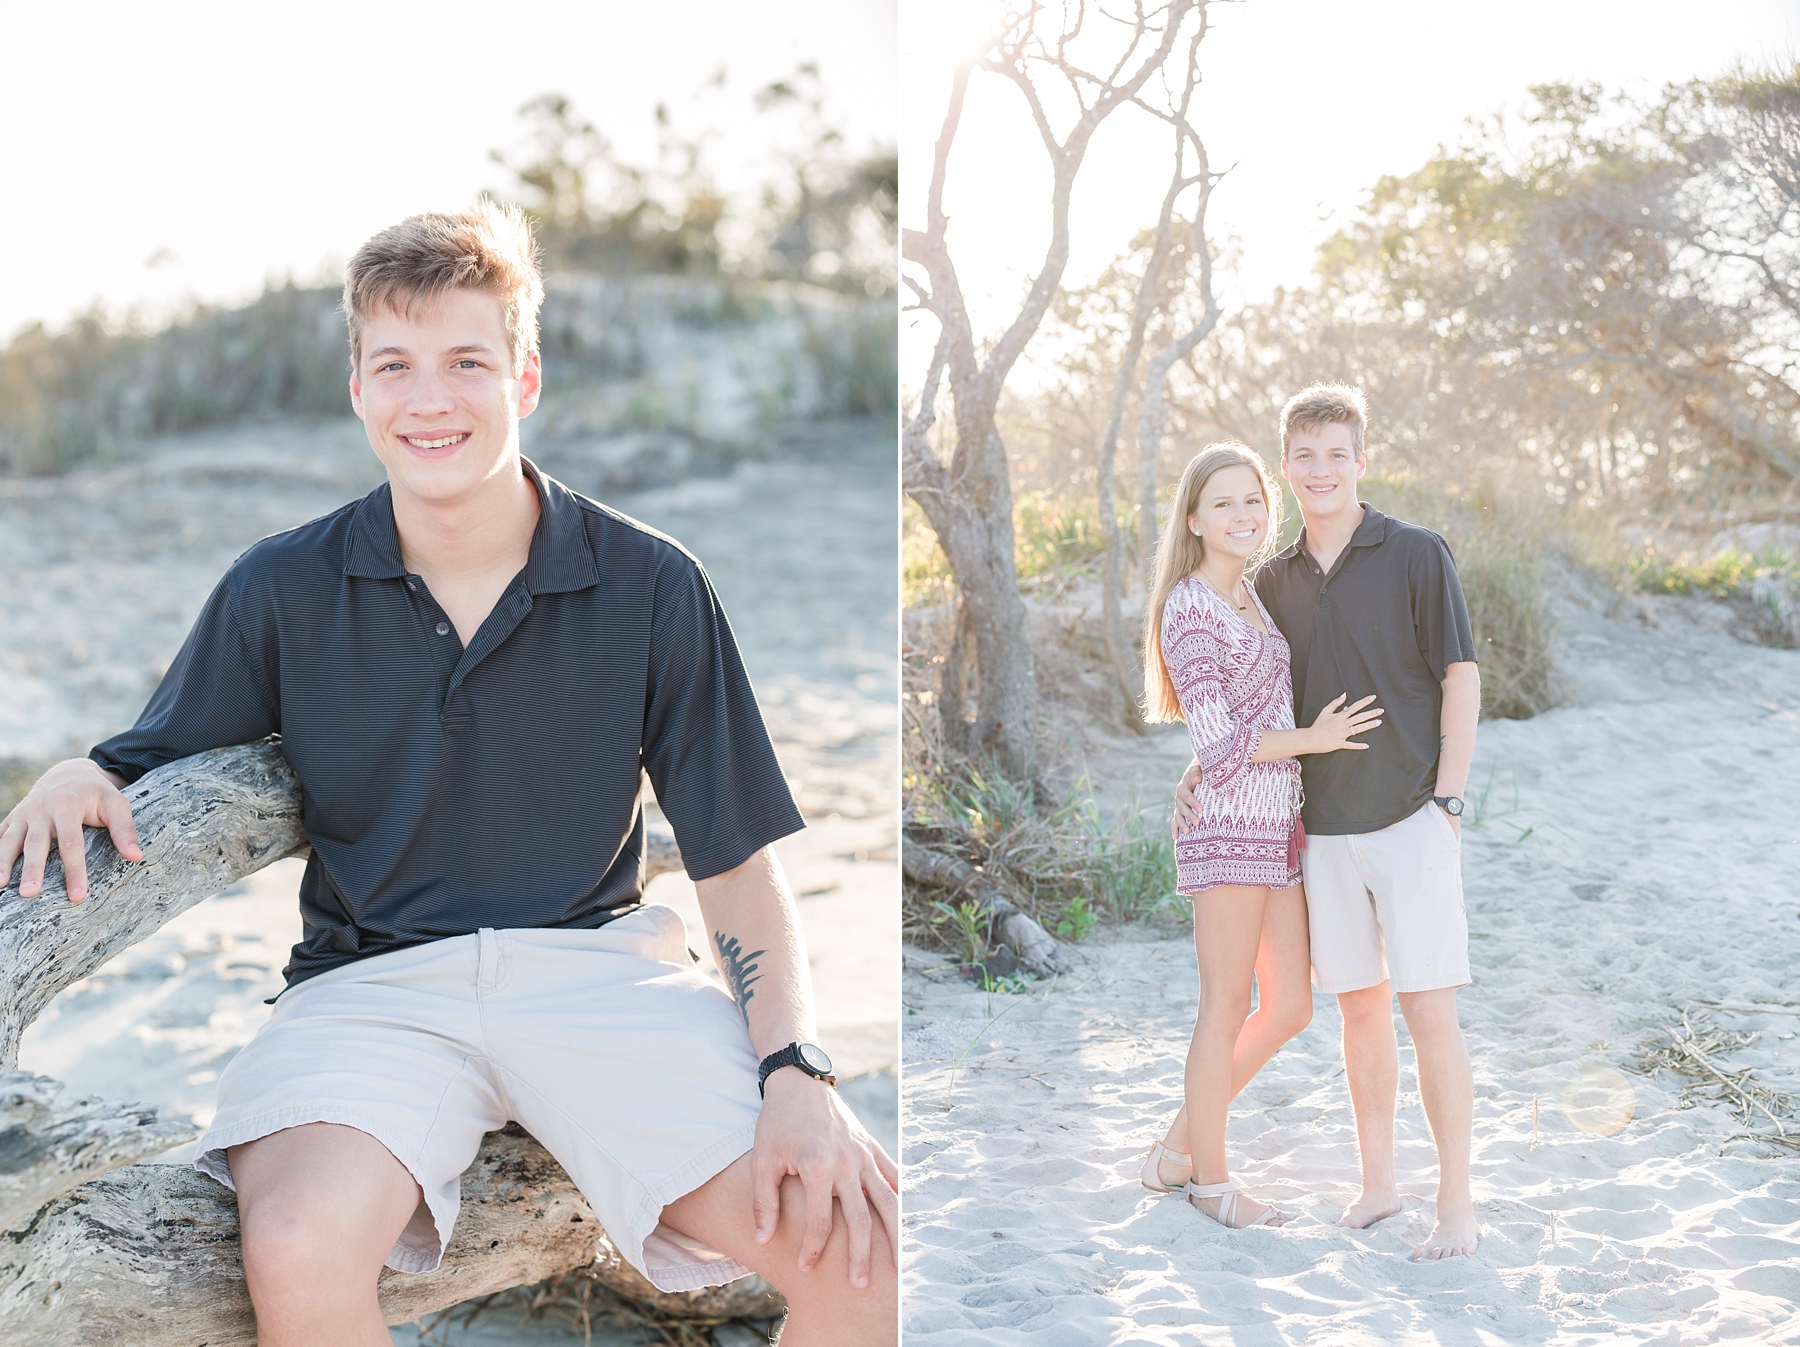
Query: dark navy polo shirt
point(1389, 619)
point(448, 789)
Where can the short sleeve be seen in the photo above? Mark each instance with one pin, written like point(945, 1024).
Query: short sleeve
point(1195, 656)
point(215, 694)
point(705, 747)
point(1440, 616)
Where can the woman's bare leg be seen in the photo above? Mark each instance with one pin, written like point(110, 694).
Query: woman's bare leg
point(1228, 925)
point(1284, 1001)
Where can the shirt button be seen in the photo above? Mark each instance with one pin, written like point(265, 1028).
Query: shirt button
point(443, 629)
point(413, 585)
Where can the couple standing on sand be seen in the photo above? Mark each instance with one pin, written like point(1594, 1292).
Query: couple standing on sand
point(1358, 631)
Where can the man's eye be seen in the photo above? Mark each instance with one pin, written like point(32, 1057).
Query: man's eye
point(467, 364)
point(391, 365)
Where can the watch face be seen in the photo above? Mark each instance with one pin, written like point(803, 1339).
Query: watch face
point(815, 1059)
point(1453, 807)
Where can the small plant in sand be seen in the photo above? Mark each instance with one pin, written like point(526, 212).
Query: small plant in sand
point(1077, 919)
point(965, 920)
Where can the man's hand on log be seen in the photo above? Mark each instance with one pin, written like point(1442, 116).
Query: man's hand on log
point(805, 1129)
point(71, 795)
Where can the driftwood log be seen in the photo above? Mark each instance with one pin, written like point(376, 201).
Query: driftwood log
point(98, 1248)
point(1035, 948)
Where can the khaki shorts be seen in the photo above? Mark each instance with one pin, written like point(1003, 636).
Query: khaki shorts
point(630, 1066)
point(1388, 906)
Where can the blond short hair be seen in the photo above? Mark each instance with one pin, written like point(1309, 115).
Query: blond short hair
point(1326, 405)
point(1179, 554)
point(487, 249)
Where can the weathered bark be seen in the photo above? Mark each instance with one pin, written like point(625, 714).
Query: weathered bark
point(1036, 948)
point(205, 822)
point(148, 1254)
point(148, 1257)
point(47, 1148)
point(968, 500)
point(952, 727)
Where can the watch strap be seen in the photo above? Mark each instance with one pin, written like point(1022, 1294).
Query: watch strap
point(788, 1056)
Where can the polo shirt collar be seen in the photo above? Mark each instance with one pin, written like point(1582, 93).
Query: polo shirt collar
point(1370, 533)
point(561, 558)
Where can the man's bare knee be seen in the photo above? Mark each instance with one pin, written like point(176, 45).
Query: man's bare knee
point(318, 1206)
point(1430, 1015)
point(1366, 1004)
point(825, 1296)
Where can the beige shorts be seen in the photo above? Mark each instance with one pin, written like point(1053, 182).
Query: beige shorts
point(630, 1066)
point(1387, 906)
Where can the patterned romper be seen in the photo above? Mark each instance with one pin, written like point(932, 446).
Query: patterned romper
point(1233, 683)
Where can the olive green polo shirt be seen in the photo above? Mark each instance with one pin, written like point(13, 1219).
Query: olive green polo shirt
point(1388, 619)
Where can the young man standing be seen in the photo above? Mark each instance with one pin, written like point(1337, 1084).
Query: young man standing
point(470, 670)
point(1369, 604)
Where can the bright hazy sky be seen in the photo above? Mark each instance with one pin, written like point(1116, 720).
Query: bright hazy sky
point(1312, 100)
point(242, 141)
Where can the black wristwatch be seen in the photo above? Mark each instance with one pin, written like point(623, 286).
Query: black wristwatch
point(809, 1057)
point(1450, 804)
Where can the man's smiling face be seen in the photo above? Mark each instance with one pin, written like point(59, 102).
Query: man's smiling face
point(438, 396)
point(1322, 466)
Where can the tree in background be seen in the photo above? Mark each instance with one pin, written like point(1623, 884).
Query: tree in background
point(1603, 314)
point(967, 497)
point(825, 216)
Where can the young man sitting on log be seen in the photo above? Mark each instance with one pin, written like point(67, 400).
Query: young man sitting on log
point(469, 668)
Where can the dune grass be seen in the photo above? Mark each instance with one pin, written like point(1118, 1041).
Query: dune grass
point(1068, 864)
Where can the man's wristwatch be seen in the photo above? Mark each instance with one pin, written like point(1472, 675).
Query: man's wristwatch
point(809, 1057)
point(1450, 804)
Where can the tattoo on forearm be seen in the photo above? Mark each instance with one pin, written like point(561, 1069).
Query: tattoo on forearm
point(740, 970)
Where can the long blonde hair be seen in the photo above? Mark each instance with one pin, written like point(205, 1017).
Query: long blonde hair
point(1180, 553)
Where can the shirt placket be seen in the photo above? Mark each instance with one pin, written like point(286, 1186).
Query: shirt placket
point(444, 646)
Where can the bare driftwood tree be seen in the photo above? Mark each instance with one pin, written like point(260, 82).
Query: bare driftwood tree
point(1118, 644)
point(968, 498)
point(1150, 414)
point(99, 1249)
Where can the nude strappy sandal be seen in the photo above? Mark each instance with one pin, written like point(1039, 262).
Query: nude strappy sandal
point(1151, 1175)
point(1228, 1194)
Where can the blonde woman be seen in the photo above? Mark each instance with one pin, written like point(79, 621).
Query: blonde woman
point(1215, 659)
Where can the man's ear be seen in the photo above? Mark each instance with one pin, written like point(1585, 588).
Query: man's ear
point(1362, 465)
point(1284, 471)
point(531, 384)
point(356, 394)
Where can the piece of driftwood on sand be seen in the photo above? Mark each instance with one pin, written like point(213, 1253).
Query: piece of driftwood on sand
point(1035, 948)
point(98, 1248)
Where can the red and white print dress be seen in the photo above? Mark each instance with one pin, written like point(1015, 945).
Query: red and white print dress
point(1233, 683)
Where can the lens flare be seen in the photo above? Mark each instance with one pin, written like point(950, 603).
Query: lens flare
point(1599, 1101)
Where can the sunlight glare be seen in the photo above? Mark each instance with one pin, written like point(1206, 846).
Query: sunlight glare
point(1599, 1101)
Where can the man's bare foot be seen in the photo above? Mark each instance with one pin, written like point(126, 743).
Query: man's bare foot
point(1370, 1208)
point(1455, 1233)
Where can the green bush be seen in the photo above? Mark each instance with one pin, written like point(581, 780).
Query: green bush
point(1500, 547)
point(1719, 576)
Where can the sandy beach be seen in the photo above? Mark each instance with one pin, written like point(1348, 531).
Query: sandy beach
point(1627, 857)
point(106, 568)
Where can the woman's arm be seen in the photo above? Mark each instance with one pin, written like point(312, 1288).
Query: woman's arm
point(1331, 730)
point(1328, 733)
